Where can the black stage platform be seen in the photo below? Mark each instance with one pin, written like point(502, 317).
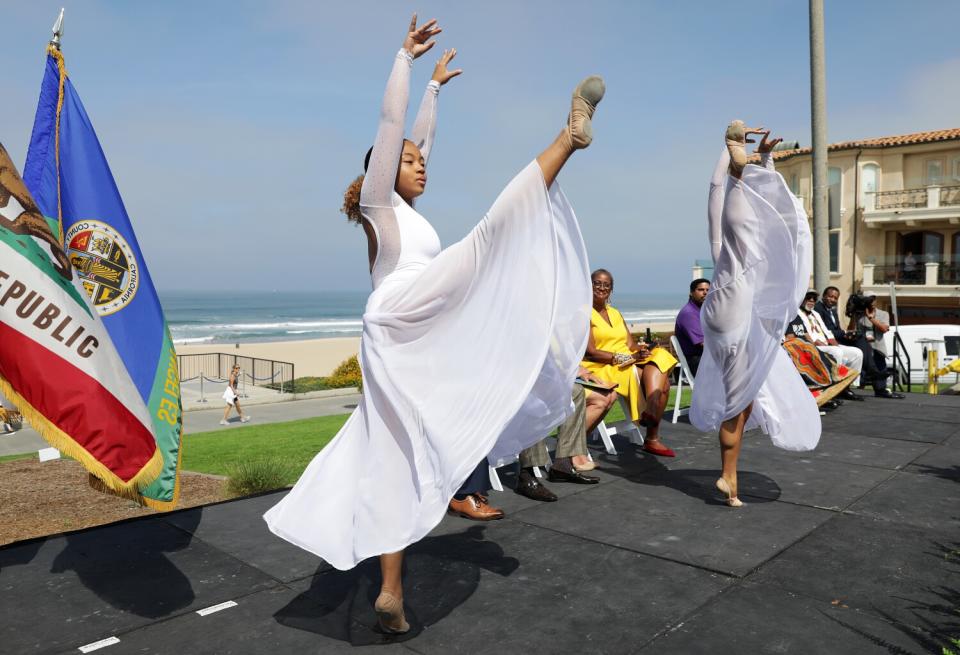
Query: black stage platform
point(853, 548)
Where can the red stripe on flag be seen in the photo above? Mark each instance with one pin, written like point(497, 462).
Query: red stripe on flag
point(76, 403)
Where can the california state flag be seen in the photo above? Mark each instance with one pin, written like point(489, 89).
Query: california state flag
point(57, 361)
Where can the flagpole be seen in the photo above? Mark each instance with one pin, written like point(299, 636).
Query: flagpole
point(57, 31)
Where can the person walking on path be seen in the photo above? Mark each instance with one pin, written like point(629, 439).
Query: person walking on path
point(447, 381)
point(231, 397)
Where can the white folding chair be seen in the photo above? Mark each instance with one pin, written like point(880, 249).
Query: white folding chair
point(624, 427)
point(504, 461)
point(684, 373)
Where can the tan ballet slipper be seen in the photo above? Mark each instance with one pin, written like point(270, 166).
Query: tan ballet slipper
point(586, 97)
point(389, 610)
point(724, 488)
point(736, 139)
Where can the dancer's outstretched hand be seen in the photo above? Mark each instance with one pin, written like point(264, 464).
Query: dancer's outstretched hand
point(420, 39)
point(767, 146)
point(441, 73)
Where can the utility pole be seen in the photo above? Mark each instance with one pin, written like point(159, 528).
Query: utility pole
point(818, 129)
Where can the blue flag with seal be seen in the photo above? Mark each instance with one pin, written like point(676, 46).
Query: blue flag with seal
point(68, 175)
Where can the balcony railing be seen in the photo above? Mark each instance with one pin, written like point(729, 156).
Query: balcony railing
point(949, 273)
point(950, 196)
point(929, 197)
point(928, 274)
point(898, 274)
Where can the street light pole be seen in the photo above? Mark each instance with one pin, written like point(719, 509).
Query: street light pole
point(818, 129)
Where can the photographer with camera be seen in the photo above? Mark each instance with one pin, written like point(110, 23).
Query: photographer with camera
point(873, 323)
point(855, 338)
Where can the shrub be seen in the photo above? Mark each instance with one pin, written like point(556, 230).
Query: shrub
point(346, 375)
point(257, 476)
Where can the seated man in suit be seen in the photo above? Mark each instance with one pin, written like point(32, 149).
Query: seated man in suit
point(590, 406)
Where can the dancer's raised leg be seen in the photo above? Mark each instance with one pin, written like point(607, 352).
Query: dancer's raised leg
point(731, 436)
point(579, 131)
point(389, 605)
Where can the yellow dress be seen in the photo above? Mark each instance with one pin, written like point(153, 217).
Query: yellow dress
point(612, 337)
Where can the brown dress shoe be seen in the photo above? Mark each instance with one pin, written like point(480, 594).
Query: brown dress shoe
point(475, 507)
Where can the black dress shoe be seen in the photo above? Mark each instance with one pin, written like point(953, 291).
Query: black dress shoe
point(889, 394)
point(576, 477)
point(530, 487)
point(849, 395)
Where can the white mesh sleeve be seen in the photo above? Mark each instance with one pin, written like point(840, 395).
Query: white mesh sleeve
point(377, 189)
point(425, 125)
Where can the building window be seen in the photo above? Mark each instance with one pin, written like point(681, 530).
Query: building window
point(956, 169)
point(934, 172)
point(834, 198)
point(795, 180)
point(869, 185)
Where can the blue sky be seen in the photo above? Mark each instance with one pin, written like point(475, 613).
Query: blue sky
point(232, 128)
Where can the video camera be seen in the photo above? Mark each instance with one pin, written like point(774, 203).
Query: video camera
point(857, 305)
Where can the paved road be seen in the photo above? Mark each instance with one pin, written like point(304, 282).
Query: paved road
point(27, 440)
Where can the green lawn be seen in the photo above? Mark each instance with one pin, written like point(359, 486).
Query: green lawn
point(295, 442)
point(10, 458)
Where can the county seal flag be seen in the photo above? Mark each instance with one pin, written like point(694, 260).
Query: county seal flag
point(68, 175)
point(57, 362)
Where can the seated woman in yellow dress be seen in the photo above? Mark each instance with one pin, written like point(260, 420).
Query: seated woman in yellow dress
point(610, 351)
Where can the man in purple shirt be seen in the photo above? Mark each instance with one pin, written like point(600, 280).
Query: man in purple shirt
point(688, 330)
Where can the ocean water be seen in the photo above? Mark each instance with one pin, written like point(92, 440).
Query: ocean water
point(244, 316)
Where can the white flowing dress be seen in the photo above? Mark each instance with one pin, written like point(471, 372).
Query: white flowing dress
point(466, 353)
point(761, 246)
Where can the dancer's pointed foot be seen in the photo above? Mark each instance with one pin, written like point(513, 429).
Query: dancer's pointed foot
point(389, 610)
point(727, 491)
point(586, 97)
point(736, 138)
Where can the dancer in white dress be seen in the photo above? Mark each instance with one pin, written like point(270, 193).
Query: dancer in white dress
point(760, 242)
point(466, 353)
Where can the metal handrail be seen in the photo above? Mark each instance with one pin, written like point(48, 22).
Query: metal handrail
point(898, 367)
point(215, 367)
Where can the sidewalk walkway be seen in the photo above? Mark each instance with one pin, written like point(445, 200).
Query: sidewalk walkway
point(336, 401)
point(852, 548)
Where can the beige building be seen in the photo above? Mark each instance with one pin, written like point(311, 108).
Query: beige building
point(894, 206)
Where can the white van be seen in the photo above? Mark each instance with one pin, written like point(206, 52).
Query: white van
point(911, 334)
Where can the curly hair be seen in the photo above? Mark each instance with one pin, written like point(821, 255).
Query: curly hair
point(351, 201)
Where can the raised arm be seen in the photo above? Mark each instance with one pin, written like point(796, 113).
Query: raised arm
point(377, 189)
point(718, 184)
point(378, 183)
point(425, 125)
point(765, 150)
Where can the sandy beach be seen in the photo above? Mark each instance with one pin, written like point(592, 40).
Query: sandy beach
point(318, 357)
point(313, 357)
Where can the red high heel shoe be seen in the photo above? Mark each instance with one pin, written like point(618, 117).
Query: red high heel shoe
point(658, 449)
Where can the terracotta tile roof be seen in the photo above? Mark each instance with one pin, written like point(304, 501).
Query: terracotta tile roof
point(880, 142)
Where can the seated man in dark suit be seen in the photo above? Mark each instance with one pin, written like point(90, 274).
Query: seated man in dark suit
point(827, 309)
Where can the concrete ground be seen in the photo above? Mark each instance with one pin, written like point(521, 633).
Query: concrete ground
point(851, 548)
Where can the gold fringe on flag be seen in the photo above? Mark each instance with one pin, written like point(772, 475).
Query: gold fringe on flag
point(159, 505)
point(62, 442)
